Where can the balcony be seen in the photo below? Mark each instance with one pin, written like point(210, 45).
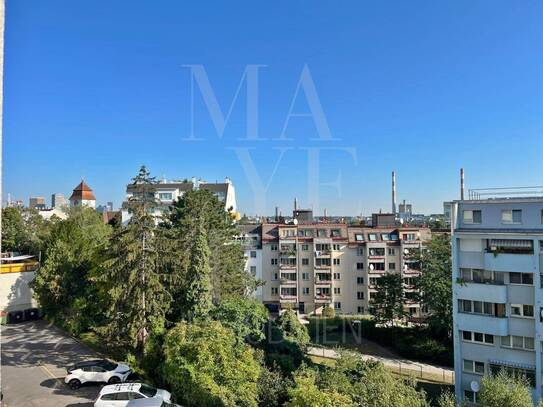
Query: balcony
point(323, 283)
point(287, 298)
point(287, 282)
point(287, 266)
point(482, 292)
point(323, 253)
point(481, 323)
point(510, 262)
point(287, 253)
point(323, 299)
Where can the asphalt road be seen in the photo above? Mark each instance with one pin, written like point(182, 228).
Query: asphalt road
point(34, 359)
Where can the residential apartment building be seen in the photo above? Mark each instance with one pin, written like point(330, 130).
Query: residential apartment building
point(309, 266)
point(37, 202)
point(167, 192)
point(250, 239)
point(497, 257)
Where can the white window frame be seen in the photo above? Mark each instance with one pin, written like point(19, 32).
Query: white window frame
point(474, 364)
point(521, 308)
point(509, 218)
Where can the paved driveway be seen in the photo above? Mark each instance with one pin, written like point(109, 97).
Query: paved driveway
point(34, 359)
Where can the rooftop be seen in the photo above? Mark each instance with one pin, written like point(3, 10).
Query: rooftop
point(505, 193)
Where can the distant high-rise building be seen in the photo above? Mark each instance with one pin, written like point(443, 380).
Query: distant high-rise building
point(58, 200)
point(109, 206)
point(82, 196)
point(36, 202)
point(405, 210)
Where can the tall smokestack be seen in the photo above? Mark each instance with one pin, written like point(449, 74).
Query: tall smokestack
point(461, 184)
point(277, 214)
point(295, 204)
point(393, 191)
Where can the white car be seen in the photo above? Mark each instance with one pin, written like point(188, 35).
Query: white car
point(99, 371)
point(151, 402)
point(119, 395)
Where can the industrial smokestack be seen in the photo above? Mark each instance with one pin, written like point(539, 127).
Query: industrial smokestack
point(461, 184)
point(295, 204)
point(393, 191)
point(277, 214)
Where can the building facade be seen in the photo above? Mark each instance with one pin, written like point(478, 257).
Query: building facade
point(37, 202)
point(310, 266)
point(167, 192)
point(58, 200)
point(497, 257)
point(250, 239)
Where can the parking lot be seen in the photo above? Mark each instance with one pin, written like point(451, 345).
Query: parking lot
point(34, 360)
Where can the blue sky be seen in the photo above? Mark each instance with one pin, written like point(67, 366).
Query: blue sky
point(94, 89)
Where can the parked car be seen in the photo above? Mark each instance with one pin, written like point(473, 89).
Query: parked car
point(151, 402)
point(119, 395)
point(98, 371)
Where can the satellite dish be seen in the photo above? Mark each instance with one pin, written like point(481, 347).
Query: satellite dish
point(295, 221)
point(474, 385)
point(405, 251)
point(371, 267)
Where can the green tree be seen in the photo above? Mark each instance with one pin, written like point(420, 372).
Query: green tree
point(435, 282)
point(24, 230)
point(131, 280)
point(205, 365)
point(503, 390)
point(245, 316)
point(388, 300)
point(446, 399)
point(272, 387)
point(62, 285)
point(328, 312)
point(306, 393)
point(293, 330)
point(197, 295)
point(202, 209)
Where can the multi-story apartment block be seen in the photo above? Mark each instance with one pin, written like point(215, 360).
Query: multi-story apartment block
point(309, 266)
point(497, 256)
point(167, 192)
point(250, 239)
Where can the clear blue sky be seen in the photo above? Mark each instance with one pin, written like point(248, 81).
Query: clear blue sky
point(96, 88)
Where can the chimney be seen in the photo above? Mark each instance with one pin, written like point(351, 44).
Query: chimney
point(461, 184)
point(295, 204)
point(393, 191)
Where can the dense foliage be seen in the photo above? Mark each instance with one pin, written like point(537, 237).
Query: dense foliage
point(206, 366)
point(388, 300)
point(24, 231)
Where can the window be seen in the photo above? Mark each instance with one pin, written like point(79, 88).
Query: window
point(385, 237)
point(513, 246)
point(273, 247)
point(471, 366)
point(372, 237)
point(305, 291)
point(409, 236)
point(274, 262)
point(337, 276)
point(472, 217)
point(165, 196)
point(124, 395)
point(480, 307)
point(521, 278)
point(275, 276)
point(360, 280)
point(253, 270)
point(305, 247)
point(377, 266)
point(391, 251)
point(359, 237)
point(377, 251)
point(305, 276)
point(336, 247)
point(374, 281)
point(335, 233)
point(529, 374)
point(360, 266)
point(392, 266)
point(360, 251)
point(518, 342)
point(470, 336)
point(337, 305)
point(522, 310)
point(482, 276)
point(336, 262)
point(253, 254)
point(511, 216)
point(109, 396)
point(322, 262)
point(360, 310)
point(321, 233)
point(305, 262)
point(337, 290)
point(360, 295)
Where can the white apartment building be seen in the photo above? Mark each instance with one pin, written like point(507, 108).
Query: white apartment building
point(497, 257)
point(167, 192)
point(250, 239)
point(309, 266)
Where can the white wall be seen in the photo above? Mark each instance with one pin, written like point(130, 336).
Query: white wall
point(15, 293)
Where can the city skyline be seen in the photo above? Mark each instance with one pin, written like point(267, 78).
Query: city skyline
point(448, 87)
